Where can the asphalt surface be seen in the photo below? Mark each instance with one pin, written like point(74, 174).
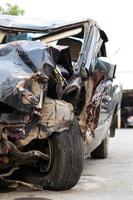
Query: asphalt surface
point(107, 179)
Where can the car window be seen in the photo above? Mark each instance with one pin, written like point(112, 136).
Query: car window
point(17, 36)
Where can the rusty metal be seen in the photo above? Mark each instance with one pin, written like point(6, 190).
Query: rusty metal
point(56, 115)
point(93, 110)
point(90, 114)
point(25, 157)
point(34, 134)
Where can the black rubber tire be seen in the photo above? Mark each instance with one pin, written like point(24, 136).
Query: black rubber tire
point(67, 163)
point(102, 150)
point(113, 126)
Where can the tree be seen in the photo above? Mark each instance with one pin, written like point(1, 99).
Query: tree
point(11, 10)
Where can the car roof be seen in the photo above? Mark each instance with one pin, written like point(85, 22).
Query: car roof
point(22, 23)
point(11, 23)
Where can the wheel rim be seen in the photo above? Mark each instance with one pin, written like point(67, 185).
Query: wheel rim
point(46, 147)
point(46, 167)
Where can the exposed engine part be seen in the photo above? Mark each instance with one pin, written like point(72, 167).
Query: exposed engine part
point(25, 157)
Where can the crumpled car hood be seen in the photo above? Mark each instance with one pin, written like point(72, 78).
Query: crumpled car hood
point(18, 62)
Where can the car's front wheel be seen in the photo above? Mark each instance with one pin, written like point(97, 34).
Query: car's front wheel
point(66, 161)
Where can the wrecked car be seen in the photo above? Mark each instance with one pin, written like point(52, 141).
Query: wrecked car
point(57, 101)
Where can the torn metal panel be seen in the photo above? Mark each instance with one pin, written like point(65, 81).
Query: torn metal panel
point(108, 68)
point(34, 134)
point(95, 88)
point(90, 49)
point(56, 115)
point(89, 86)
point(18, 63)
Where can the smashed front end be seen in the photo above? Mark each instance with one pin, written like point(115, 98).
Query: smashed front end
point(25, 68)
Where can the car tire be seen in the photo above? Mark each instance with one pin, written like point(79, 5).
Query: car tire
point(113, 125)
point(68, 161)
point(102, 150)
